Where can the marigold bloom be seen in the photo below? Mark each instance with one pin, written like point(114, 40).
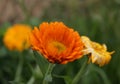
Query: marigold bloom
point(16, 37)
point(57, 42)
point(97, 53)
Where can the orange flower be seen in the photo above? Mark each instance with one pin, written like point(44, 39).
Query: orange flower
point(57, 42)
point(16, 37)
point(97, 53)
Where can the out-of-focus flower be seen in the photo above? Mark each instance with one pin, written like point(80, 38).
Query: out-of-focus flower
point(57, 42)
point(16, 37)
point(97, 53)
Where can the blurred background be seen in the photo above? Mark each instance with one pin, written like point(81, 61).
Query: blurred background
point(97, 19)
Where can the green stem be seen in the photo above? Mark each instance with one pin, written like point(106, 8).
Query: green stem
point(31, 81)
point(48, 77)
point(102, 74)
point(79, 74)
point(19, 69)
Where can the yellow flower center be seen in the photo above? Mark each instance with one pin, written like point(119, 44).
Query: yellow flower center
point(56, 46)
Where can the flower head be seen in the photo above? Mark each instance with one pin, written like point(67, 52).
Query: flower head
point(16, 37)
point(57, 42)
point(97, 53)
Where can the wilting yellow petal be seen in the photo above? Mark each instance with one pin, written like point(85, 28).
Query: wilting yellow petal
point(97, 53)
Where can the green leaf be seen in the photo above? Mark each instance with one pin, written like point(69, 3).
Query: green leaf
point(67, 79)
point(48, 78)
point(101, 73)
point(43, 63)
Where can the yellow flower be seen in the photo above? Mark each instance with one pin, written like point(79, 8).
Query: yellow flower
point(57, 42)
point(97, 53)
point(16, 37)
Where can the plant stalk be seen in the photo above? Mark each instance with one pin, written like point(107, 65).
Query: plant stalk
point(19, 69)
point(48, 77)
point(80, 73)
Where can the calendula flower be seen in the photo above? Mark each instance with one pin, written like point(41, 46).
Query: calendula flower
point(97, 53)
point(16, 37)
point(57, 42)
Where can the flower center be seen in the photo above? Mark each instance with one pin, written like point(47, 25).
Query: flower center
point(57, 46)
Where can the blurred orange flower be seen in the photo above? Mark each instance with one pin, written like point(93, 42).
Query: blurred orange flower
point(57, 42)
point(97, 53)
point(16, 37)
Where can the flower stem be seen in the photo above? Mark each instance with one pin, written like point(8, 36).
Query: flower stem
point(31, 81)
point(79, 74)
point(48, 77)
point(19, 69)
point(102, 74)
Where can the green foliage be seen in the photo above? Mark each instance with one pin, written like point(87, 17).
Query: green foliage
point(97, 19)
point(40, 60)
